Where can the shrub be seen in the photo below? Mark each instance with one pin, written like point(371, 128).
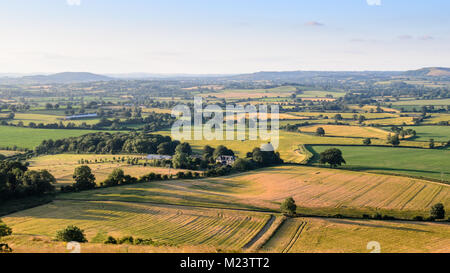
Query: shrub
point(418, 218)
point(438, 211)
point(126, 240)
point(146, 242)
point(71, 234)
point(378, 216)
point(111, 241)
point(387, 217)
point(4, 248)
point(4, 229)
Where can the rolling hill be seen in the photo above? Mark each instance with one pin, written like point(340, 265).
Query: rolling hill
point(430, 72)
point(64, 77)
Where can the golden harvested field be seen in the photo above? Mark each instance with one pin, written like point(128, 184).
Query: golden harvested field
point(251, 94)
point(344, 115)
point(391, 121)
point(171, 225)
point(62, 166)
point(347, 131)
point(301, 235)
point(367, 108)
point(319, 190)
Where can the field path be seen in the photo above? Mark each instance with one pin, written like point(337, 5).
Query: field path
point(261, 232)
point(294, 237)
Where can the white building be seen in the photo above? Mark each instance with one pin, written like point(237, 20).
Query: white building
point(159, 157)
point(226, 159)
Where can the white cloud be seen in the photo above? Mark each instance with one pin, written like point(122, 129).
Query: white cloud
point(73, 2)
point(374, 2)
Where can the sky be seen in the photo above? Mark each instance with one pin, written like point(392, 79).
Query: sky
point(222, 36)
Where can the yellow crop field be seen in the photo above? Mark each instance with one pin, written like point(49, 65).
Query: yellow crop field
point(164, 224)
point(436, 118)
point(318, 188)
point(391, 121)
point(347, 131)
point(301, 235)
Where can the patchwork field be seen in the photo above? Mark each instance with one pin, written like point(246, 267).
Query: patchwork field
point(164, 224)
point(339, 235)
point(426, 163)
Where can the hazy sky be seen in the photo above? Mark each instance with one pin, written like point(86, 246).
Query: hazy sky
point(222, 36)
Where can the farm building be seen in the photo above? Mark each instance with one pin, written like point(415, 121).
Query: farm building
point(94, 115)
point(159, 157)
point(226, 159)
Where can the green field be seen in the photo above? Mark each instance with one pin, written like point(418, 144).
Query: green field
point(425, 163)
point(30, 138)
point(441, 102)
point(425, 133)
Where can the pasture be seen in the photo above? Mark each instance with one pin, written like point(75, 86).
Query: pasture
point(425, 133)
point(306, 235)
point(425, 163)
point(30, 138)
point(437, 102)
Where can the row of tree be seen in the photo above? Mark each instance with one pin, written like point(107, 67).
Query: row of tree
point(107, 143)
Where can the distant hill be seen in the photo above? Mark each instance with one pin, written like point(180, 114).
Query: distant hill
point(430, 72)
point(295, 76)
point(65, 77)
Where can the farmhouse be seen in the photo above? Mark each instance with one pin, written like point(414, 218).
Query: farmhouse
point(159, 157)
point(226, 159)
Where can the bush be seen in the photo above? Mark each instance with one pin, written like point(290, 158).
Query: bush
point(418, 218)
point(4, 229)
point(378, 216)
point(438, 211)
point(288, 206)
point(4, 248)
point(110, 241)
point(126, 240)
point(146, 242)
point(387, 217)
point(71, 234)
